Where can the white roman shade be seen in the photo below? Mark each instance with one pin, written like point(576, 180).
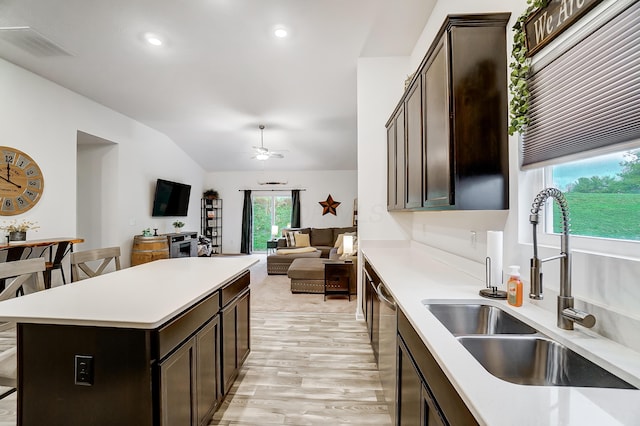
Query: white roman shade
point(588, 97)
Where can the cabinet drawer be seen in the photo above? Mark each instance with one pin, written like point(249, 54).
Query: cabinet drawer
point(178, 330)
point(233, 289)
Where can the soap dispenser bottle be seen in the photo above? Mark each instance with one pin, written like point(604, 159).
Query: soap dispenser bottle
point(514, 286)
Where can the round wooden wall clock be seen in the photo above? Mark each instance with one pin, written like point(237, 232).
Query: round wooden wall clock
point(21, 182)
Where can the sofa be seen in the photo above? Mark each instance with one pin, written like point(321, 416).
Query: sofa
point(322, 239)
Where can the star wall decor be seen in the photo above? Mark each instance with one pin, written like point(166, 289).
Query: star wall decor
point(329, 206)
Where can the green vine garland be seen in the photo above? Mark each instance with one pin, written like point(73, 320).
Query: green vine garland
point(520, 65)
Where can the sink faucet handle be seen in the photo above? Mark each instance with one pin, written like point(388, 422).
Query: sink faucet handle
point(585, 319)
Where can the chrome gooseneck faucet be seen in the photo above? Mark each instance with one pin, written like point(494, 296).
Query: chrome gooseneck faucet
point(567, 314)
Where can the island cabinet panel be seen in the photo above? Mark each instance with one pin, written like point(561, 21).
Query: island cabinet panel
point(189, 384)
point(208, 367)
point(120, 392)
point(235, 333)
point(177, 386)
point(462, 87)
point(424, 391)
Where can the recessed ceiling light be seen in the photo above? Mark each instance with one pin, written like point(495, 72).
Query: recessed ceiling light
point(280, 32)
point(153, 39)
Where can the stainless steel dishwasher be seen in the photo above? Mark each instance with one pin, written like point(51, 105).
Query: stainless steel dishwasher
point(387, 363)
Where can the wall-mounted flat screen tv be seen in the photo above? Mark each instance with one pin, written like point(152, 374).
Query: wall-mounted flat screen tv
point(171, 198)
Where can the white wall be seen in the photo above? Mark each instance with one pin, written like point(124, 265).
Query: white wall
point(341, 184)
point(380, 86)
point(605, 285)
point(43, 119)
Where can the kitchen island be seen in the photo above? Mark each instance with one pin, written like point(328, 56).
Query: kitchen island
point(415, 274)
point(155, 344)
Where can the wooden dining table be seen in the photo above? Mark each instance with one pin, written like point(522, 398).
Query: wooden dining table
point(16, 251)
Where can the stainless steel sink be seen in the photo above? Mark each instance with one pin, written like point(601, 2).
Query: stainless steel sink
point(516, 352)
point(537, 360)
point(465, 319)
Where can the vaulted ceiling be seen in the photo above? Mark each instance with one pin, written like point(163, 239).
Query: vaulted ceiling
point(221, 72)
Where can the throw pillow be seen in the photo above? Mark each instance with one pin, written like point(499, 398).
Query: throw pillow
point(290, 236)
point(339, 241)
point(302, 240)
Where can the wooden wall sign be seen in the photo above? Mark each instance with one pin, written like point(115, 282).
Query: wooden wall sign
point(550, 21)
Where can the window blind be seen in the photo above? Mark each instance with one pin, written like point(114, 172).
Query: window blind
point(589, 97)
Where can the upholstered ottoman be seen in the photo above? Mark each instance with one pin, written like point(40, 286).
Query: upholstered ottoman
point(278, 264)
point(307, 275)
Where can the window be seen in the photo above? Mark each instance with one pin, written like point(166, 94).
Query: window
point(603, 193)
point(269, 210)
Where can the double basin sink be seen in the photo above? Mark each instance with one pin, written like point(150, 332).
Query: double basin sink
point(516, 352)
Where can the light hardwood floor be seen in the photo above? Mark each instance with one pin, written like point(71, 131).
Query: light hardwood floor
point(306, 369)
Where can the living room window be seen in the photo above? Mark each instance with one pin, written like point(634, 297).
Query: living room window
point(269, 210)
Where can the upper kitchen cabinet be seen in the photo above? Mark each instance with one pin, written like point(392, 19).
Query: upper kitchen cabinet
point(455, 121)
point(396, 172)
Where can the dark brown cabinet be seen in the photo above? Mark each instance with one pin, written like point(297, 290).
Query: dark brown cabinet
point(372, 309)
point(454, 112)
point(177, 386)
point(396, 161)
point(208, 392)
point(409, 390)
point(235, 316)
point(437, 174)
point(414, 140)
point(425, 394)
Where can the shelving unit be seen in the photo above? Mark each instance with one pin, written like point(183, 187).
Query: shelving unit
point(211, 223)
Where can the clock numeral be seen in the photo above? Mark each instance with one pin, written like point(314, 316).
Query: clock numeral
point(35, 183)
point(7, 204)
point(9, 156)
point(30, 194)
point(22, 162)
point(31, 172)
point(21, 202)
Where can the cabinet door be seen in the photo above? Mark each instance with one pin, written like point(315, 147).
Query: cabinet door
point(368, 302)
point(409, 411)
point(391, 166)
point(208, 392)
point(413, 107)
point(228, 361)
point(177, 386)
point(430, 414)
point(401, 174)
point(438, 168)
point(375, 321)
point(242, 329)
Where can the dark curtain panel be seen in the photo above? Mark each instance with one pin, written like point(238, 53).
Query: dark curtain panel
point(247, 213)
point(295, 208)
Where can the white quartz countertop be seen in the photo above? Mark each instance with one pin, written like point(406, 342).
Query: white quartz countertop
point(144, 296)
point(413, 274)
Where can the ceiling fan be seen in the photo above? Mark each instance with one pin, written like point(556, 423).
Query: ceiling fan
point(260, 152)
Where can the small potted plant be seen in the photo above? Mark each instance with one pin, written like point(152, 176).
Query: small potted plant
point(177, 225)
point(210, 194)
point(18, 230)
